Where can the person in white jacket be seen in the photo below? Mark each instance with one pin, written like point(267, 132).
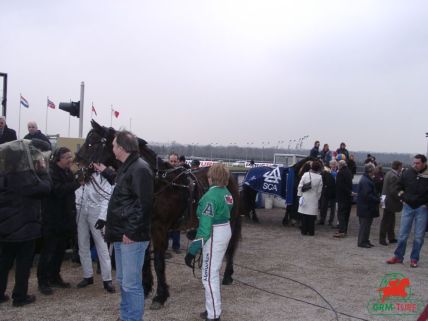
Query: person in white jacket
point(91, 210)
point(309, 197)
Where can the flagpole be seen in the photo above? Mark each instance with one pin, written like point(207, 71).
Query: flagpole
point(47, 107)
point(19, 117)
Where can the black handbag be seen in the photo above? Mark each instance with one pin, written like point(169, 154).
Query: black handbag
point(307, 186)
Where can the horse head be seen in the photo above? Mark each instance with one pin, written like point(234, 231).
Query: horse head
point(98, 146)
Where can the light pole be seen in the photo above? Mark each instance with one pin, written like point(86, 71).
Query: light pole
point(230, 150)
point(211, 145)
point(193, 149)
point(426, 135)
point(246, 150)
point(263, 149)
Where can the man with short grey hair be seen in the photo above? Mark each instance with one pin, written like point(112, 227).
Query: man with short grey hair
point(6, 134)
point(35, 133)
point(128, 223)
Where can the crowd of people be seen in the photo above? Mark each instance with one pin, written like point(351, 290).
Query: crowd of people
point(327, 181)
point(98, 205)
point(101, 206)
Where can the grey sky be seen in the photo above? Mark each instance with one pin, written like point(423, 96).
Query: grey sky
point(225, 71)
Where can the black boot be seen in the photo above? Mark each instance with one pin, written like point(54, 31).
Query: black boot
point(85, 282)
point(216, 319)
point(108, 286)
point(28, 300)
point(45, 289)
point(58, 282)
point(203, 315)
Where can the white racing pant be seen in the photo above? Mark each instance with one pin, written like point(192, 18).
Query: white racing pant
point(213, 253)
point(85, 225)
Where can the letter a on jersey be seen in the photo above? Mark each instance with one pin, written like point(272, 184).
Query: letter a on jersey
point(208, 210)
point(273, 177)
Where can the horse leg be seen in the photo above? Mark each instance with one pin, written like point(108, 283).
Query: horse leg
point(231, 249)
point(162, 291)
point(147, 273)
point(254, 216)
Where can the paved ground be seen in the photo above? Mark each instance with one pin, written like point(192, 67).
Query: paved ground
point(345, 275)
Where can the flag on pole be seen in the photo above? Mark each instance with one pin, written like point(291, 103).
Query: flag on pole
point(93, 110)
point(115, 113)
point(51, 104)
point(24, 102)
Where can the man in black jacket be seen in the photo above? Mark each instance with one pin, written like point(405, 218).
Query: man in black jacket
point(328, 197)
point(6, 134)
point(34, 132)
point(343, 197)
point(413, 192)
point(20, 226)
point(128, 223)
point(58, 221)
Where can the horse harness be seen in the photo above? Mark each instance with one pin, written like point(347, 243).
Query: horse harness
point(194, 186)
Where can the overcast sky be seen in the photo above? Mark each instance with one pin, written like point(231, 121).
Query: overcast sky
point(225, 72)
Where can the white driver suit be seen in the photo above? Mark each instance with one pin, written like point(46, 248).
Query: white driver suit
point(91, 204)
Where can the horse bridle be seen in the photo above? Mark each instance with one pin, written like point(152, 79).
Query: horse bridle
point(163, 178)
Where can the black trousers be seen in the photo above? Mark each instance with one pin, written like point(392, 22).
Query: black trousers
point(22, 254)
point(51, 258)
point(343, 212)
point(308, 224)
point(364, 231)
point(326, 204)
point(387, 226)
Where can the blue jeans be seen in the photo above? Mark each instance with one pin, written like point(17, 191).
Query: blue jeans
point(420, 216)
point(129, 265)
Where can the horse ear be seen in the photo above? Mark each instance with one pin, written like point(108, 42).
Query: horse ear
point(95, 125)
point(141, 142)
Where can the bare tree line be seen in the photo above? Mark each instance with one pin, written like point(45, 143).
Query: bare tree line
point(234, 153)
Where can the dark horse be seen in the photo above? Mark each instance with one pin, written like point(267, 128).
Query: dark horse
point(247, 205)
point(177, 191)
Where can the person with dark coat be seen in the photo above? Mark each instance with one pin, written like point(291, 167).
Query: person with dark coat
point(6, 134)
point(378, 178)
point(342, 150)
point(391, 203)
point(352, 165)
point(412, 188)
point(34, 132)
point(182, 162)
point(326, 155)
point(20, 226)
point(343, 197)
point(315, 151)
point(128, 223)
point(58, 221)
point(328, 197)
point(367, 205)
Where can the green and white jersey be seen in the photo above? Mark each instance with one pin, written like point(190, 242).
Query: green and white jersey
point(213, 208)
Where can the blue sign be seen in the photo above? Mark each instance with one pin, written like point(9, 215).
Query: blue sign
point(272, 180)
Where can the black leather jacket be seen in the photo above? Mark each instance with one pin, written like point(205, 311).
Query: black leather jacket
point(130, 207)
point(415, 187)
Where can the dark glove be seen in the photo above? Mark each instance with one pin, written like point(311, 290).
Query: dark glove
point(189, 260)
point(100, 224)
point(191, 234)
